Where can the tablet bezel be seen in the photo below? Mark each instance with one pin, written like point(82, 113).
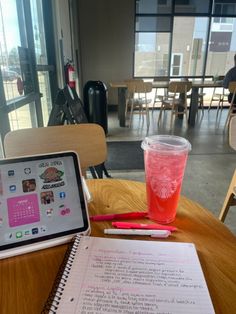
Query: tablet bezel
point(45, 241)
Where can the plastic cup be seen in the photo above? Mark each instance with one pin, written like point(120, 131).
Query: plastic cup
point(165, 159)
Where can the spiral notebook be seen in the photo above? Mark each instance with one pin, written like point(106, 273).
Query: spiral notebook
point(102, 275)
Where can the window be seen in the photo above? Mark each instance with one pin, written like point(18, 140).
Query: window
point(153, 6)
point(10, 40)
point(224, 7)
point(191, 38)
point(25, 80)
point(151, 54)
point(192, 6)
point(221, 49)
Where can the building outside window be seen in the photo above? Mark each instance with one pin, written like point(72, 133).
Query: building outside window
point(184, 38)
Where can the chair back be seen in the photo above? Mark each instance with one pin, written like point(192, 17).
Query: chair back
point(88, 140)
point(232, 132)
point(179, 87)
point(131, 85)
point(232, 87)
point(143, 87)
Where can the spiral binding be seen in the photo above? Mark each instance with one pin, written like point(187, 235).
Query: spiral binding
point(56, 293)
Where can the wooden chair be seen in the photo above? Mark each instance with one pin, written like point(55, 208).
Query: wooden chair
point(131, 97)
point(230, 199)
point(179, 99)
point(232, 133)
point(141, 89)
point(219, 95)
point(159, 98)
point(232, 106)
point(88, 140)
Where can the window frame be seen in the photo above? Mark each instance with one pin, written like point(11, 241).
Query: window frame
point(210, 15)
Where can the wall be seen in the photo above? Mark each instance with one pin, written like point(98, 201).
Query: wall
point(106, 34)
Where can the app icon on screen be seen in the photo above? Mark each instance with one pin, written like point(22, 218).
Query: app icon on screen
point(43, 229)
point(12, 188)
point(35, 230)
point(27, 170)
point(62, 194)
point(8, 236)
point(29, 185)
point(26, 232)
point(19, 234)
point(11, 173)
point(49, 212)
point(47, 197)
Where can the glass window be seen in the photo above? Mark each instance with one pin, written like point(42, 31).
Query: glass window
point(153, 24)
point(10, 40)
point(38, 30)
point(192, 6)
point(224, 7)
point(221, 50)
point(189, 46)
point(41, 58)
point(151, 54)
point(44, 86)
point(153, 6)
point(23, 117)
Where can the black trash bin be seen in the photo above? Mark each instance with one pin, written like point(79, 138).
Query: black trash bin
point(95, 103)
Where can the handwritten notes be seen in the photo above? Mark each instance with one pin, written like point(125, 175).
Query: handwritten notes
point(135, 277)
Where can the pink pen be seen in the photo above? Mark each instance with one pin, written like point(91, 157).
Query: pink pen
point(130, 215)
point(128, 225)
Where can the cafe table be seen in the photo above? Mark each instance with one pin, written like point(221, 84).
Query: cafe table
point(26, 280)
point(121, 87)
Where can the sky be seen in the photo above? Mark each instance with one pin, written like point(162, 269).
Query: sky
point(10, 21)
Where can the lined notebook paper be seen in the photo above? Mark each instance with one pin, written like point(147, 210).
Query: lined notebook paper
point(131, 276)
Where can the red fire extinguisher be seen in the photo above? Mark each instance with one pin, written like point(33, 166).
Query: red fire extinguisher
point(70, 74)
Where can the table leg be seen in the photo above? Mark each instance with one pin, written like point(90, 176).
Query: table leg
point(121, 105)
point(193, 106)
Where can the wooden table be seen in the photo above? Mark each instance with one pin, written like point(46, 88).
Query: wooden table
point(121, 86)
point(27, 280)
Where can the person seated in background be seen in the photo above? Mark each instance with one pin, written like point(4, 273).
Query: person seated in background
point(229, 77)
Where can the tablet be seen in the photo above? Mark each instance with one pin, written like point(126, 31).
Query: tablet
point(42, 202)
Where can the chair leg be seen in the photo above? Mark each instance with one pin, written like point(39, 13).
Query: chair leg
point(210, 104)
point(126, 108)
point(147, 118)
point(171, 119)
point(220, 104)
point(212, 98)
point(186, 115)
point(228, 117)
point(160, 114)
point(202, 104)
point(229, 199)
point(131, 114)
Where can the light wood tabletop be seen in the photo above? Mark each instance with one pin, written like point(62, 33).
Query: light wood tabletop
point(26, 280)
point(165, 84)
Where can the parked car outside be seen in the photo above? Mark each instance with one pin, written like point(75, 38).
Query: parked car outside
point(9, 75)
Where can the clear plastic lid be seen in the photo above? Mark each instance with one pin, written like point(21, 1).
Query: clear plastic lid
point(166, 143)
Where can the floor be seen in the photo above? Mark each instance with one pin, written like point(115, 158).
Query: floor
point(211, 162)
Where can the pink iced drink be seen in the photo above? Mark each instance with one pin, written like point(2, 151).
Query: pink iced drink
point(164, 170)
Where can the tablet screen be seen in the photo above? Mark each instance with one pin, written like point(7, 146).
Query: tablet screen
point(41, 198)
